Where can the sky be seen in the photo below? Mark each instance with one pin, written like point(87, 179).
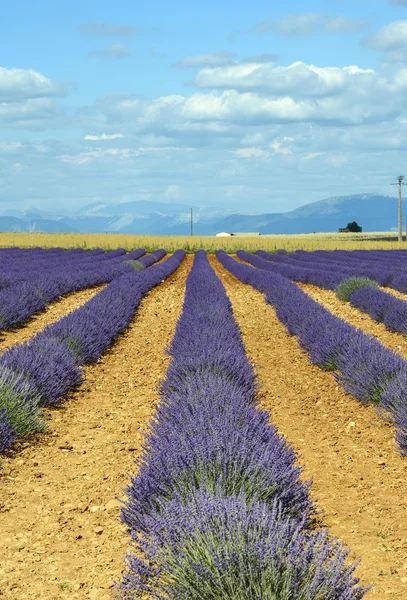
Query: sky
point(250, 106)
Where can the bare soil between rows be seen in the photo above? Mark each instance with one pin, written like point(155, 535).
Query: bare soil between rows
point(51, 313)
point(358, 477)
point(59, 528)
point(327, 298)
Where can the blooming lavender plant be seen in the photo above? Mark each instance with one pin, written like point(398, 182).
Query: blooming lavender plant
point(363, 366)
point(40, 371)
point(25, 297)
point(8, 433)
point(382, 307)
point(217, 508)
point(213, 546)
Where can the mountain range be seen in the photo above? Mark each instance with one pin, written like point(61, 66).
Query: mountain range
point(374, 212)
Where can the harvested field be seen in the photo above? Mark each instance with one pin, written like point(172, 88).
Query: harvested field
point(59, 518)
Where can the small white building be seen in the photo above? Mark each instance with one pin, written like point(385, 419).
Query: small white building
point(224, 234)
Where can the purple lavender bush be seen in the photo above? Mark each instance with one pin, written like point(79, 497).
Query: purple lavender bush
point(217, 508)
point(363, 366)
point(8, 433)
point(212, 546)
point(40, 372)
point(20, 413)
point(382, 307)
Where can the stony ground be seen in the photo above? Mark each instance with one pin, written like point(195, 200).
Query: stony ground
point(59, 529)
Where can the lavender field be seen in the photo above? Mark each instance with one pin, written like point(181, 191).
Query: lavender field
point(204, 427)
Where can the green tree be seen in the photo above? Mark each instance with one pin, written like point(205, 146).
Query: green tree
point(354, 227)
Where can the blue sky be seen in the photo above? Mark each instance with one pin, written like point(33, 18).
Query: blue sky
point(238, 105)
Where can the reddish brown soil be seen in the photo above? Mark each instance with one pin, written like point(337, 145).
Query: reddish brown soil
point(51, 313)
point(395, 341)
point(59, 529)
point(358, 476)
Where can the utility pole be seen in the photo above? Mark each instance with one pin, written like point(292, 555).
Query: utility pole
point(400, 223)
point(191, 223)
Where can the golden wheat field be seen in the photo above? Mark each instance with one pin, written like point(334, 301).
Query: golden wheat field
point(111, 241)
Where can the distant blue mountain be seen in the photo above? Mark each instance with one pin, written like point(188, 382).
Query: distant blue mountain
point(374, 212)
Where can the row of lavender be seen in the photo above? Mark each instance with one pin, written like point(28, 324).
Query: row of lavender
point(329, 272)
point(25, 265)
point(381, 306)
point(361, 364)
point(21, 300)
point(39, 372)
point(217, 508)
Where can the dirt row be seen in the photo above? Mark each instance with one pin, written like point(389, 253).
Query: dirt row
point(60, 535)
point(358, 476)
point(343, 310)
point(59, 531)
point(51, 313)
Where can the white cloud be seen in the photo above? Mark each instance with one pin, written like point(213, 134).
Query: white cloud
point(36, 113)
point(84, 158)
point(24, 84)
point(18, 167)
point(277, 146)
point(112, 51)
point(297, 79)
point(172, 191)
point(202, 60)
point(10, 147)
point(252, 109)
point(104, 136)
point(312, 155)
point(389, 37)
point(250, 153)
point(282, 97)
point(102, 154)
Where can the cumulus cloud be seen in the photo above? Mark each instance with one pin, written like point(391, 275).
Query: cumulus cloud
point(389, 37)
point(112, 51)
point(346, 96)
point(307, 24)
point(23, 84)
point(101, 28)
point(297, 78)
point(35, 113)
point(202, 60)
point(104, 136)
